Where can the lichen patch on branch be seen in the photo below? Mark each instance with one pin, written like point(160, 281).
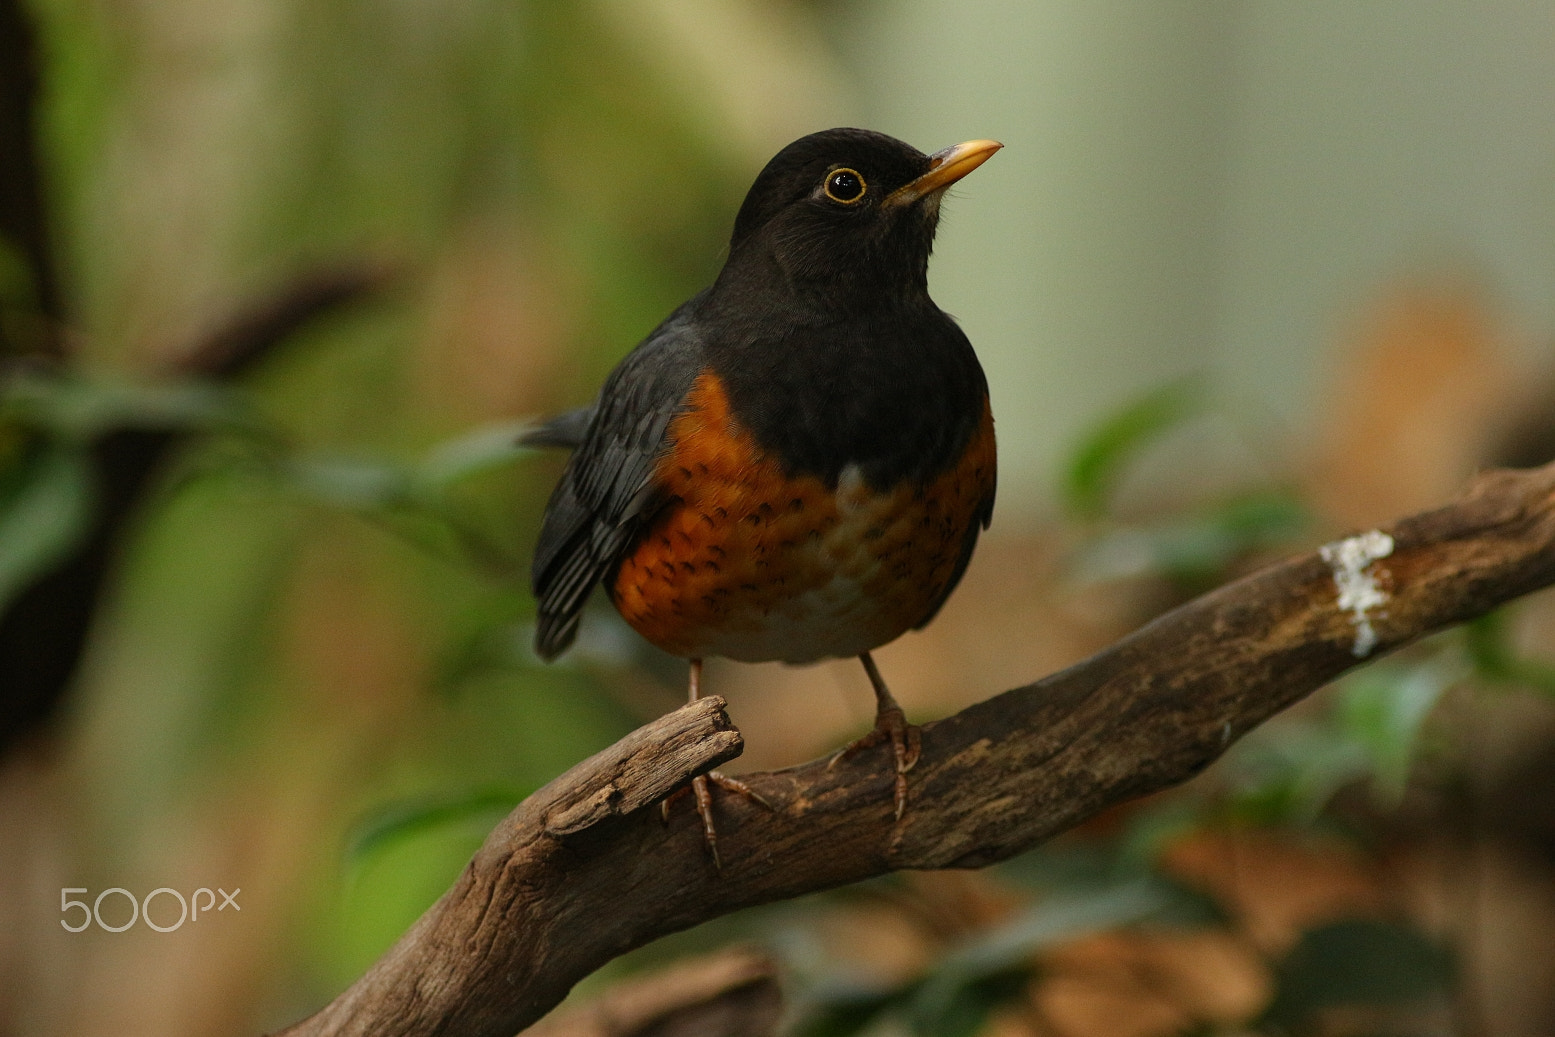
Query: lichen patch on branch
point(1353, 561)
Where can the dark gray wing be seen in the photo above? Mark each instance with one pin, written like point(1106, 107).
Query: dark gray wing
point(606, 494)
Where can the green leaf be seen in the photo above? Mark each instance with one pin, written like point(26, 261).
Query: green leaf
point(1488, 642)
point(1288, 773)
point(1383, 709)
point(954, 997)
point(1006, 951)
point(394, 495)
point(46, 501)
point(966, 1009)
point(842, 1010)
point(1263, 518)
point(357, 484)
point(1148, 832)
point(1125, 862)
point(78, 408)
point(487, 447)
point(1196, 551)
point(399, 822)
point(400, 861)
point(1103, 454)
point(1356, 962)
point(1056, 918)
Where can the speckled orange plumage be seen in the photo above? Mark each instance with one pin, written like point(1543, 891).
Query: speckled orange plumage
point(748, 563)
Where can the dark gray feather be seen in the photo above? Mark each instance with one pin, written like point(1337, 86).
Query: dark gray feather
point(605, 496)
point(565, 431)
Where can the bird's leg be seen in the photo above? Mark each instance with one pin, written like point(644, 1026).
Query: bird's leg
point(699, 789)
point(890, 723)
point(699, 784)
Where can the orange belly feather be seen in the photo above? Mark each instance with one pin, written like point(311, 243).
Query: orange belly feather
point(748, 563)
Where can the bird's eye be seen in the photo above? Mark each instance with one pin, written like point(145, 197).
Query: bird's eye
point(845, 186)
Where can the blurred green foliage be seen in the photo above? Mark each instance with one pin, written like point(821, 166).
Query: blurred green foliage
point(954, 997)
point(1100, 459)
point(403, 849)
point(414, 129)
point(45, 502)
point(1496, 661)
point(1193, 548)
point(323, 603)
point(1354, 962)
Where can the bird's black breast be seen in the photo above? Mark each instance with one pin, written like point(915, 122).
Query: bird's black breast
point(899, 394)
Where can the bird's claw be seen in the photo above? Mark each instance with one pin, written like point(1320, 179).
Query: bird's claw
point(703, 794)
point(906, 747)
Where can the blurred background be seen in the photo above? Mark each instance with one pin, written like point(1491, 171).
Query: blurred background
point(281, 279)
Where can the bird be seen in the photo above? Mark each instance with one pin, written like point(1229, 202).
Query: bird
point(797, 463)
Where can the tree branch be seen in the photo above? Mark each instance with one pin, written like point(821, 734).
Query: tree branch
point(228, 350)
point(23, 215)
point(542, 905)
point(730, 994)
point(43, 632)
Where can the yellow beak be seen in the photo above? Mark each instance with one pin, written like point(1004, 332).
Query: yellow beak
point(945, 168)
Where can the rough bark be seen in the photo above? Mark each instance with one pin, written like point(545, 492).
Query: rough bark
point(581, 873)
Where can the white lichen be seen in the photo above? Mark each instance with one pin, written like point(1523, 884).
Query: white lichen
point(1353, 562)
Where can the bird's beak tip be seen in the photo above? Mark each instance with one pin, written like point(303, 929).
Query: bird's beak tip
point(945, 168)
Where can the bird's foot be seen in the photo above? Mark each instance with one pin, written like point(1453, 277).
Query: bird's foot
point(703, 794)
point(906, 746)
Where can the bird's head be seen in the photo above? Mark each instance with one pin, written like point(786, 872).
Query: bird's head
point(850, 209)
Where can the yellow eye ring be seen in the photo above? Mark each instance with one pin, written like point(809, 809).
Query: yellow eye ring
point(845, 186)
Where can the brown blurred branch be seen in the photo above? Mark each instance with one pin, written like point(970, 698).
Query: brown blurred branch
point(730, 994)
point(44, 630)
point(232, 347)
point(23, 216)
point(578, 875)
